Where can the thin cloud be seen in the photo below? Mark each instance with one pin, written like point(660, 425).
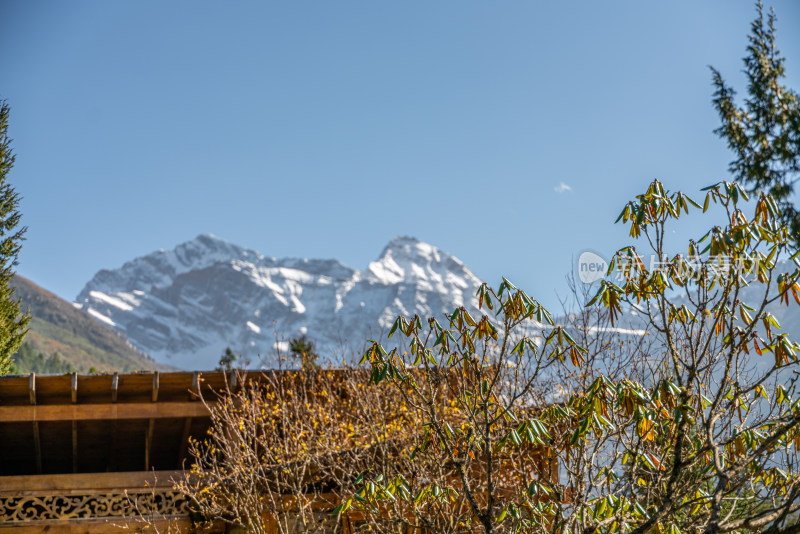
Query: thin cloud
point(562, 188)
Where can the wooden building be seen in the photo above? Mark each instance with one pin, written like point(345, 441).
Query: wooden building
point(80, 453)
point(92, 453)
point(95, 453)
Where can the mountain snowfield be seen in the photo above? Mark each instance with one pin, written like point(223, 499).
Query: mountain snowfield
point(185, 306)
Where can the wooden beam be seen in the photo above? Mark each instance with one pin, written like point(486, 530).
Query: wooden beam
point(148, 442)
point(74, 424)
point(92, 412)
point(114, 387)
point(86, 483)
point(184, 447)
point(195, 386)
point(165, 523)
point(32, 388)
point(112, 454)
point(74, 388)
point(37, 444)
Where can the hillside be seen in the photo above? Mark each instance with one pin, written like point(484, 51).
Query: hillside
point(59, 328)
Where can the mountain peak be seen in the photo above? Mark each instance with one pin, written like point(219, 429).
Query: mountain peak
point(402, 240)
point(406, 257)
point(211, 240)
point(207, 249)
point(411, 248)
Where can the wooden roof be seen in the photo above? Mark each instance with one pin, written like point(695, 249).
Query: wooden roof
point(102, 422)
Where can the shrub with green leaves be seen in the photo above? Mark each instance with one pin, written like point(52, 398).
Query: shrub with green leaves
point(703, 438)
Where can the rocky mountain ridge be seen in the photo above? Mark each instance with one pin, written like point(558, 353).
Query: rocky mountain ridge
point(184, 306)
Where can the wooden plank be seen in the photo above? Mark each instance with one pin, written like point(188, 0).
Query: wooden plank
point(150, 425)
point(32, 388)
point(114, 387)
point(184, 446)
point(53, 389)
point(14, 389)
point(130, 387)
point(74, 424)
point(102, 526)
point(148, 442)
point(83, 483)
point(37, 444)
point(89, 412)
point(195, 386)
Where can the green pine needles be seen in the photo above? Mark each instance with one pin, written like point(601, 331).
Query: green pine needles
point(13, 323)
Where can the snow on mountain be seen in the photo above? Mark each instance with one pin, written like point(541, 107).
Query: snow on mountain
point(185, 305)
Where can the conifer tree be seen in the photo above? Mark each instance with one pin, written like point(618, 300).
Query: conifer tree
point(227, 360)
point(13, 322)
point(303, 351)
point(764, 132)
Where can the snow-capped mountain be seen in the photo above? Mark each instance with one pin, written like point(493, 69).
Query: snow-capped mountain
point(184, 306)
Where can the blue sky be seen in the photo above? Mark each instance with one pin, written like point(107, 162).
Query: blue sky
point(324, 129)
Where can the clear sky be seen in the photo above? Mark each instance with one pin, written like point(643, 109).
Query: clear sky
point(509, 134)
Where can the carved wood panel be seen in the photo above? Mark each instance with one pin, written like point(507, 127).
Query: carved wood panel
point(63, 507)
